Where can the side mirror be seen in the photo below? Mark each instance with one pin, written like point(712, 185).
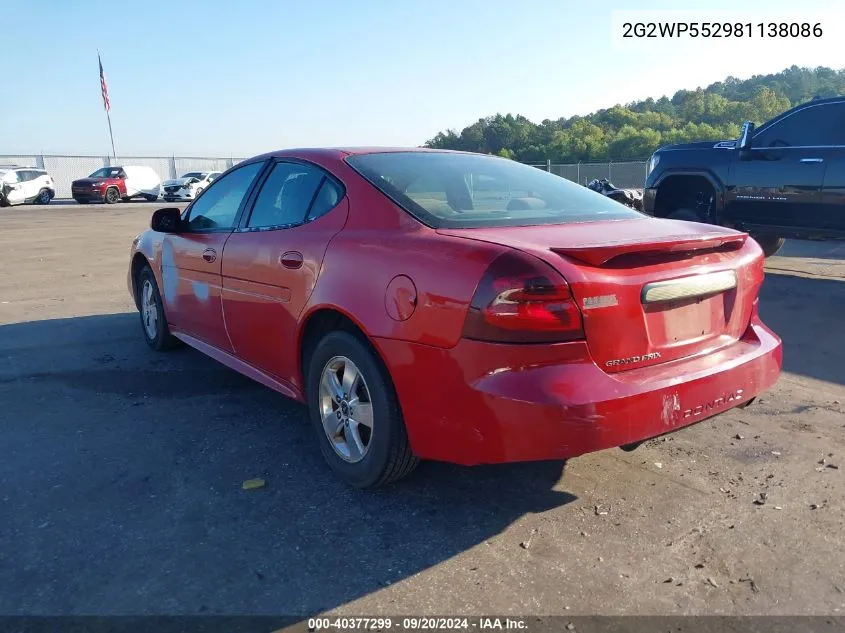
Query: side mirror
point(167, 221)
point(745, 135)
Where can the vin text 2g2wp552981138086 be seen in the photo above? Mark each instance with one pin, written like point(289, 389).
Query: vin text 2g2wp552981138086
point(456, 307)
point(783, 179)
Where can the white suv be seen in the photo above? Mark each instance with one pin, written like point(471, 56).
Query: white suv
point(21, 185)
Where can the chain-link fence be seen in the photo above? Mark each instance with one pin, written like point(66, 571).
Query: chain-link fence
point(66, 169)
point(626, 174)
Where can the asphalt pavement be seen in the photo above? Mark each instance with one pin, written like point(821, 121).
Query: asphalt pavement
point(122, 469)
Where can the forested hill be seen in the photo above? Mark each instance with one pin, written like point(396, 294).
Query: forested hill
point(635, 130)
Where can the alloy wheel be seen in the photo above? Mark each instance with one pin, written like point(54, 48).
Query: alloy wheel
point(149, 309)
point(346, 409)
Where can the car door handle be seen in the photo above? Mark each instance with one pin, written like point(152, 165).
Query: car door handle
point(812, 160)
point(209, 255)
point(291, 259)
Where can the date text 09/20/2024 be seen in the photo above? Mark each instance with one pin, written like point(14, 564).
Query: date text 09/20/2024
point(765, 30)
point(415, 624)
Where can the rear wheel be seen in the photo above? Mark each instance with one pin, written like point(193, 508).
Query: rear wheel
point(44, 197)
point(355, 413)
point(111, 196)
point(153, 321)
point(770, 244)
point(150, 198)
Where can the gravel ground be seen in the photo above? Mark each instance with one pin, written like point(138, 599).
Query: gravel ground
point(121, 474)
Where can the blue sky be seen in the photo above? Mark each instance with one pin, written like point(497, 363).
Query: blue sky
point(238, 78)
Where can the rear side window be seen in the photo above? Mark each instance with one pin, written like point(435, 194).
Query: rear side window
point(293, 194)
point(453, 190)
point(819, 125)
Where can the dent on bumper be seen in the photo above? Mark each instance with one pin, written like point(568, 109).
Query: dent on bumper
point(480, 403)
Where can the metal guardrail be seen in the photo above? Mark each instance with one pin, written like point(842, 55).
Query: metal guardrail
point(630, 174)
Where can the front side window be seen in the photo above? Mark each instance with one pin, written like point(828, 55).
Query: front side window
point(452, 190)
point(218, 206)
point(292, 194)
point(814, 126)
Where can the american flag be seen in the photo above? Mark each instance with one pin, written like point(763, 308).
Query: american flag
point(103, 87)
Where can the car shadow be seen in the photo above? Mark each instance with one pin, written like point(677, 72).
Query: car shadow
point(813, 249)
point(123, 473)
point(807, 314)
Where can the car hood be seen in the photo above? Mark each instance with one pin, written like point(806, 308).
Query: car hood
point(92, 181)
point(179, 181)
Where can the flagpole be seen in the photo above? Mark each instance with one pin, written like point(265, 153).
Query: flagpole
point(106, 104)
point(111, 136)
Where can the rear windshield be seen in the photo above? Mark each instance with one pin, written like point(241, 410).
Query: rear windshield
point(446, 190)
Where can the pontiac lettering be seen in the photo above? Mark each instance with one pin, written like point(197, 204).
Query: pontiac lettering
point(710, 405)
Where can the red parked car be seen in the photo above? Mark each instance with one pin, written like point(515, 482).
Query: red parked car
point(456, 307)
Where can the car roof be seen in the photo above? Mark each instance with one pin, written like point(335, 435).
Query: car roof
point(338, 153)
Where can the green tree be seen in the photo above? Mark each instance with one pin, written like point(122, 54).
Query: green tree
point(635, 130)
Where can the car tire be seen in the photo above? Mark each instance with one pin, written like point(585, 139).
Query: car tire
point(150, 198)
point(151, 309)
point(687, 215)
point(362, 455)
point(770, 244)
point(111, 196)
point(44, 197)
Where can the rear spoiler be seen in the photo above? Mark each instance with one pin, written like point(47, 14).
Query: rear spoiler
point(601, 254)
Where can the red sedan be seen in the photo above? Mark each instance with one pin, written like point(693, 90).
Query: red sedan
point(456, 307)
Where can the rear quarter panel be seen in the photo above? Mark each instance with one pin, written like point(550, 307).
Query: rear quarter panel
point(379, 242)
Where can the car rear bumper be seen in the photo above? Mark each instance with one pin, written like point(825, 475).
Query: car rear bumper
point(481, 403)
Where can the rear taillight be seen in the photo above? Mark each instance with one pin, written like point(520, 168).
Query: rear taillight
point(522, 301)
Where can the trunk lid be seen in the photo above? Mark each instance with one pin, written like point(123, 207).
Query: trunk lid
point(649, 290)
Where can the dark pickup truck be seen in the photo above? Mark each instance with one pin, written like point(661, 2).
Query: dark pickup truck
point(784, 179)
